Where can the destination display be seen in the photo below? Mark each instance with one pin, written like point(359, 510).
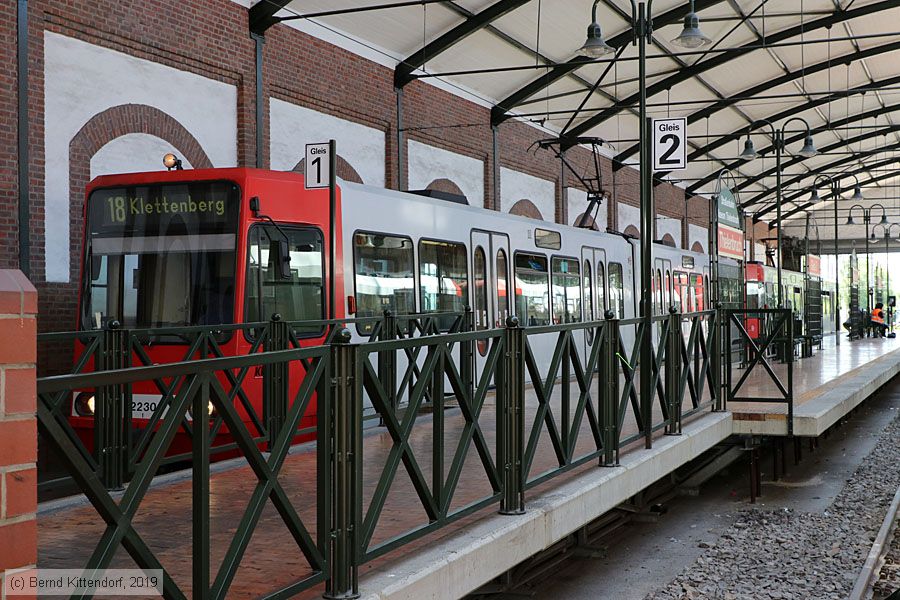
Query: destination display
point(199, 207)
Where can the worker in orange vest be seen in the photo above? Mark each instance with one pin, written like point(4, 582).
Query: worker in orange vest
point(878, 325)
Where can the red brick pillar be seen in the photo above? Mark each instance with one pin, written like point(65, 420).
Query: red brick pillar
point(18, 425)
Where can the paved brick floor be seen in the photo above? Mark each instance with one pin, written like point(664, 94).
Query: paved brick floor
point(812, 376)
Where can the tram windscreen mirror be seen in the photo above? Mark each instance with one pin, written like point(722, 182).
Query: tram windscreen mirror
point(281, 255)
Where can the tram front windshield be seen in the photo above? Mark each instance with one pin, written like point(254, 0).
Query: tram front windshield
point(161, 255)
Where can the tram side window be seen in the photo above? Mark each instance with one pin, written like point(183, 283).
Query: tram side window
point(566, 291)
point(601, 290)
point(588, 284)
point(298, 297)
point(384, 277)
point(502, 289)
point(480, 292)
point(444, 279)
point(699, 294)
point(532, 289)
point(616, 290)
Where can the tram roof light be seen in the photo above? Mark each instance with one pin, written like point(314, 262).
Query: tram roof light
point(749, 152)
point(691, 36)
point(170, 161)
point(809, 148)
point(595, 46)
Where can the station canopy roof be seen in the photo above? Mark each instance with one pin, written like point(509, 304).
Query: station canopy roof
point(833, 63)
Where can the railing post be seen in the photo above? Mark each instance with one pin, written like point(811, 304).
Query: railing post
point(112, 418)
point(790, 374)
point(609, 390)
point(723, 346)
point(511, 419)
point(275, 380)
point(673, 373)
point(714, 349)
point(387, 359)
point(467, 353)
point(346, 440)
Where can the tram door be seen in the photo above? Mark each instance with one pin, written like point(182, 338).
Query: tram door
point(663, 290)
point(593, 290)
point(492, 287)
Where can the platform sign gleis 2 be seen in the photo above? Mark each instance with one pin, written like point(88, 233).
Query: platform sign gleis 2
point(316, 166)
point(669, 144)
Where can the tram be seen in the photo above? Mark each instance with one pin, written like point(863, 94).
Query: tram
point(220, 246)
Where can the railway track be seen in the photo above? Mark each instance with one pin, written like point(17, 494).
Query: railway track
point(880, 575)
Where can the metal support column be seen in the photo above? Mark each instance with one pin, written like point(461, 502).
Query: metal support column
point(346, 439)
point(609, 390)
point(648, 212)
point(673, 366)
point(401, 155)
point(275, 381)
point(23, 162)
point(511, 419)
point(112, 422)
point(259, 39)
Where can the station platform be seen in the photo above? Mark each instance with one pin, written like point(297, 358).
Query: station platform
point(827, 386)
point(458, 558)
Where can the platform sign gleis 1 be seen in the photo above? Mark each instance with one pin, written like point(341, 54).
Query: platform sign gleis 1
point(316, 166)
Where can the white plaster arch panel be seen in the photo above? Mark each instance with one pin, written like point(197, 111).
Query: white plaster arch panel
point(628, 215)
point(291, 127)
point(515, 186)
point(427, 163)
point(132, 153)
point(696, 233)
point(759, 252)
point(668, 225)
point(205, 107)
point(577, 203)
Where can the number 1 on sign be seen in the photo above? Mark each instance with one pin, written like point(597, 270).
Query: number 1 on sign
point(317, 167)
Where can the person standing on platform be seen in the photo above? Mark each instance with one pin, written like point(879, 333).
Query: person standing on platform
point(879, 328)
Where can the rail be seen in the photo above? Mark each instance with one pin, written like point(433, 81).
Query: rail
point(534, 404)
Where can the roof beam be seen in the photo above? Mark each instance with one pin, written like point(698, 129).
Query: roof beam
point(403, 72)
point(723, 58)
point(719, 105)
point(793, 161)
point(262, 15)
point(868, 181)
point(500, 112)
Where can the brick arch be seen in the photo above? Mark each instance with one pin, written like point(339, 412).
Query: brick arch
point(344, 170)
point(632, 231)
point(105, 127)
point(590, 222)
point(446, 185)
point(668, 240)
point(697, 247)
point(526, 208)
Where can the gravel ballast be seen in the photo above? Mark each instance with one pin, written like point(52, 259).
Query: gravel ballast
point(786, 554)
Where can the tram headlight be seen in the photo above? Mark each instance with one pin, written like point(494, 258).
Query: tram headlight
point(84, 404)
point(210, 411)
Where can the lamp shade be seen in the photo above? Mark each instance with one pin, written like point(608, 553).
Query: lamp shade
point(857, 193)
point(814, 196)
point(749, 152)
point(595, 46)
point(850, 220)
point(691, 36)
point(884, 220)
point(809, 148)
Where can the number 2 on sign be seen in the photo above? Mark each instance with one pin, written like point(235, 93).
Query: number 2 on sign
point(673, 141)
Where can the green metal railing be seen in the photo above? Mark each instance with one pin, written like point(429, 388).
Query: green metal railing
point(538, 403)
point(779, 333)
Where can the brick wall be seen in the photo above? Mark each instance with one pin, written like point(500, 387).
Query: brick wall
point(211, 38)
point(18, 435)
